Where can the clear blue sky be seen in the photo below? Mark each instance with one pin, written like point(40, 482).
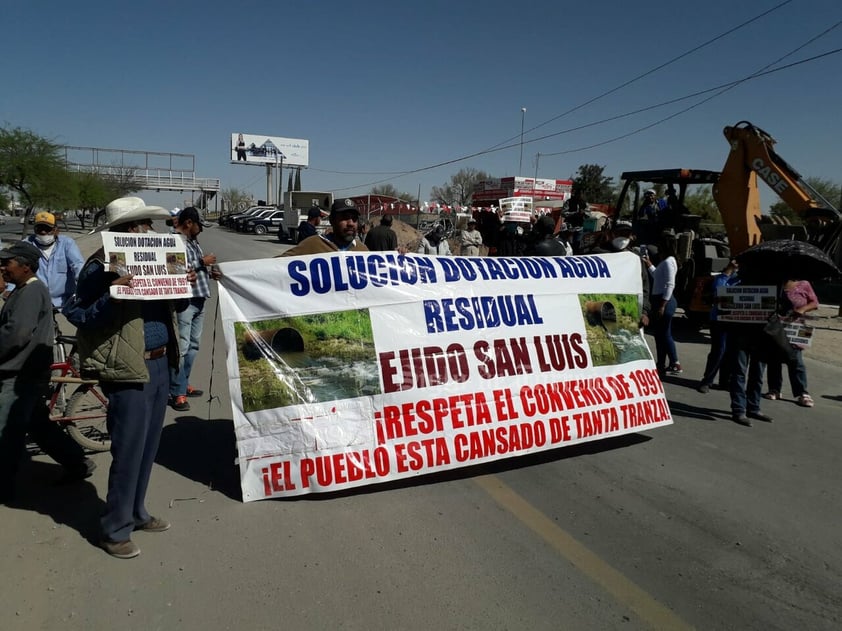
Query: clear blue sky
point(380, 86)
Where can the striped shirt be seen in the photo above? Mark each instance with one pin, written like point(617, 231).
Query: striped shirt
point(201, 288)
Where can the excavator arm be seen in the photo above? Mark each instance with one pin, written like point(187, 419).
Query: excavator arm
point(737, 196)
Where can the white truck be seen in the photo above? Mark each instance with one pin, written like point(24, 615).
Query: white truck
point(296, 206)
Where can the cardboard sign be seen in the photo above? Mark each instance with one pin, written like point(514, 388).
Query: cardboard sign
point(158, 263)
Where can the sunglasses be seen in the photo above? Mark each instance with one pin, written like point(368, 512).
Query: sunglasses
point(44, 229)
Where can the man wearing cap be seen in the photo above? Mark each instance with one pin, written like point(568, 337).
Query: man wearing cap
point(381, 238)
point(60, 262)
point(344, 219)
point(191, 313)
point(129, 345)
point(308, 228)
point(172, 222)
point(542, 241)
point(470, 239)
point(26, 352)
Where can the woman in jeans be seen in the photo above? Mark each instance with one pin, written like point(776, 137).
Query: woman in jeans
point(797, 298)
point(664, 305)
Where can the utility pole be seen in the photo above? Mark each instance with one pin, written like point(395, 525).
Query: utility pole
point(522, 120)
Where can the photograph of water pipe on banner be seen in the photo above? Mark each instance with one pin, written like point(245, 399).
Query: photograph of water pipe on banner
point(358, 368)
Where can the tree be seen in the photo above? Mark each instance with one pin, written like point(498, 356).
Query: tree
point(459, 190)
point(592, 185)
point(825, 188)
point(701, 202)
point(31, 166)
point(234, 200)
point(387, 190)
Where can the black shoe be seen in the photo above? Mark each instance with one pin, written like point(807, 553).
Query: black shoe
point(740, 419)
point(759, 416)
point(703, 388)
point(180, 404)
point(194, 392)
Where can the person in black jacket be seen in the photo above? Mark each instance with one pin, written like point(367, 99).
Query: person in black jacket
point(382, 238)
point(26, 352)
point(308, 228)
point(542, 240)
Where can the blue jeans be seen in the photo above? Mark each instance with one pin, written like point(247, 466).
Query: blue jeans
point(190, 323)
point(23, 409)
point(747, 368)
point(797, 375)
point(662, 331)
point(135, 419)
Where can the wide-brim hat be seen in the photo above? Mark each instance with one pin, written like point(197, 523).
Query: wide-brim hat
point(126, 209)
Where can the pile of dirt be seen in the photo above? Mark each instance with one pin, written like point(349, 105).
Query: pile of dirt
point(410, 238)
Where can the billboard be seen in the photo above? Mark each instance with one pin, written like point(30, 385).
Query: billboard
point(257, 149)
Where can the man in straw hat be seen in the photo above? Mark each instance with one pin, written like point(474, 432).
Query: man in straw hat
point(129, 346)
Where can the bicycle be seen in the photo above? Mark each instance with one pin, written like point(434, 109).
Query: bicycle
point(84, 415)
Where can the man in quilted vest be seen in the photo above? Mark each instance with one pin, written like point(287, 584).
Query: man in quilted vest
point(129, 346)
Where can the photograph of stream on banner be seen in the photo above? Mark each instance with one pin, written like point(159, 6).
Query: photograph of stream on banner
point(306, 359)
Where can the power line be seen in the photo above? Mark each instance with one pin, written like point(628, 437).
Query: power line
point(721, 88)
point(652, 70)
point(588, 102)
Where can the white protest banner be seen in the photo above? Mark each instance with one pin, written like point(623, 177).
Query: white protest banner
point(357, 368)
point(745, 303)
point(157, 261)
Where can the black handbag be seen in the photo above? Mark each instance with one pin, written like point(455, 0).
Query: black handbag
point(775, 336)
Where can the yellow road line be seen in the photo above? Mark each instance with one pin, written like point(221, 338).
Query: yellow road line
point(612, 581)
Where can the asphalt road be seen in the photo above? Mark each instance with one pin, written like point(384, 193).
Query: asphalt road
point(704, 524)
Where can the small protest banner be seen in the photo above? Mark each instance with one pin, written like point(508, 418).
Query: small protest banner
point(158, 263)
point(745, 303)
point(799, 331)
point(353, 368)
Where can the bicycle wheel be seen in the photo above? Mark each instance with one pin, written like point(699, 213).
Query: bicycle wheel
point(85, 418)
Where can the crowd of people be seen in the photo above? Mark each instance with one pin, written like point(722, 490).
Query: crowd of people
point(142, 352)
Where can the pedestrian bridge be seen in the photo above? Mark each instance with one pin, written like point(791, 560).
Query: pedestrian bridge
point(150, 170)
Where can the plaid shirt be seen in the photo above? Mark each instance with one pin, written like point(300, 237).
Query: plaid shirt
point(201, 289)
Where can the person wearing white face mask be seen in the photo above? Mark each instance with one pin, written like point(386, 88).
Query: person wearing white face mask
point(61, 261)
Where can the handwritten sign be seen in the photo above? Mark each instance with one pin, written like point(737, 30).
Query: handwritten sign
point(157, 262)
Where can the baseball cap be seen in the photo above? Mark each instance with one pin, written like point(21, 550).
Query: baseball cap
point(22, 250)
point(45, 218)
point(314, 212)
point(344, 205)
point(191, 214)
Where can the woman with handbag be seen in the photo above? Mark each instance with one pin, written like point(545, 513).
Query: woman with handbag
point(797, 298)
